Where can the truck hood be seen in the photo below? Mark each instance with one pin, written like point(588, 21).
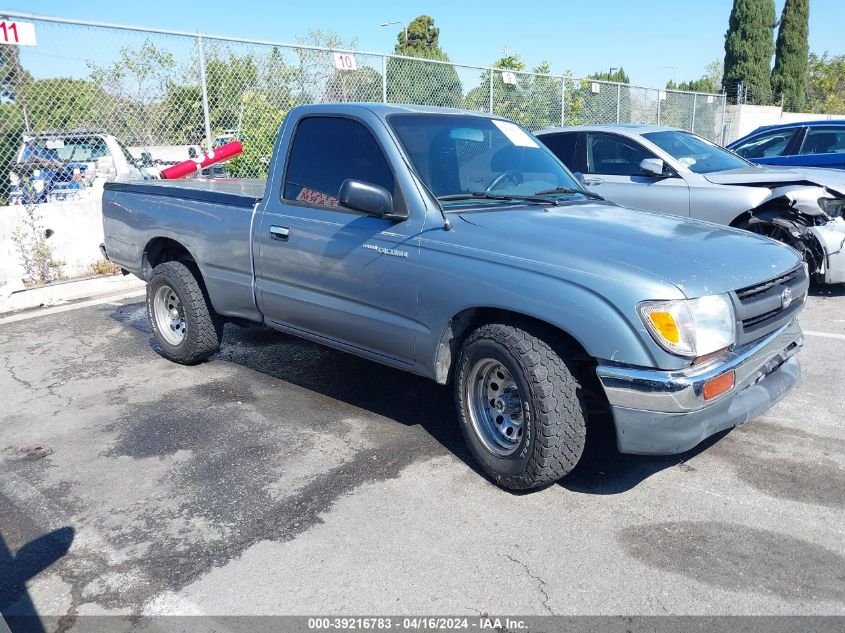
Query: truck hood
point(772, 177)
point(600, 238)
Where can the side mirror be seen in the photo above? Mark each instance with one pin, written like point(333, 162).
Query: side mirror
point(146, 159)
point(365, 197)
point(580, 177)
point(652, 167)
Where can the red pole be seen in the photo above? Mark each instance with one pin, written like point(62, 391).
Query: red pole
point(196, 165)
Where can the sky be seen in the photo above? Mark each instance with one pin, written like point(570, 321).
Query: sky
point(654, 40)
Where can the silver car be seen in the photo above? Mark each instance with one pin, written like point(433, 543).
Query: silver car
point(673, 171)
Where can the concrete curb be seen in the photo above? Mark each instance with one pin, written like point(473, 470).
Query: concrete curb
point(68, 291)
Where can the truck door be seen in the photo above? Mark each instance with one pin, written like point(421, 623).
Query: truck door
point(329, 271)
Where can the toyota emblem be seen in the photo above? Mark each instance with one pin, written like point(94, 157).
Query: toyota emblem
point(786, 297)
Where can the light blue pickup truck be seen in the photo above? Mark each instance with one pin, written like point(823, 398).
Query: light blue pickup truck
point(455, 246)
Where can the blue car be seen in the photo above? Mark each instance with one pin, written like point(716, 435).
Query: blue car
point(807, 144)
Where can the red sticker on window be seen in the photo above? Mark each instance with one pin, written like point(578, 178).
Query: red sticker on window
point(312, 196)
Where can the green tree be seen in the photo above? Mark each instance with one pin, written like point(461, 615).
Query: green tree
point(826, 84)
point(136, 85)
point(11, 128)
point(422, 82)
point(64, 103)
point(749, 48)
point(262, 117)
point(710, 81)
point(618, 75)
point(789, 77)
point(602, 106)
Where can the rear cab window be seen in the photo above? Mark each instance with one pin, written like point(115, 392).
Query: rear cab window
point(325, 152)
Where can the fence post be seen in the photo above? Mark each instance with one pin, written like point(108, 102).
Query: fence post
point(563, 100)
point(724, 111)
point(694, 101)
point(658, 106)
point(201, 52)
point(618, 100)
point(491, 92)
point(384, 78)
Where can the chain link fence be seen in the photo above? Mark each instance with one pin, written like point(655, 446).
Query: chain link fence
point(92, 102)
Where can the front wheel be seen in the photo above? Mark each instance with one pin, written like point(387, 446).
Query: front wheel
point(183, 321)
point(520, 407)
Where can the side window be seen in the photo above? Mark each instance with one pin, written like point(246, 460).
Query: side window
point(325, 152)
point(824, 140)
point(614, 155)
point(562, 146)
point(766, 145)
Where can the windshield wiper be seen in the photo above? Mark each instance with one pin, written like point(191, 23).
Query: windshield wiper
point(485, 195)
point(583, 192)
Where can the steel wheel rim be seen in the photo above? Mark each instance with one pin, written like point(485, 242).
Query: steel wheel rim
point(169, 315)
point(496, 409)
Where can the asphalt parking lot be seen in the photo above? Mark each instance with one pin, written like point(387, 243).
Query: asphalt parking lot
point(282, 477)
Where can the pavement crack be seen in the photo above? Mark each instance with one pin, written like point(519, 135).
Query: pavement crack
point(7, 363)
point(541, 584)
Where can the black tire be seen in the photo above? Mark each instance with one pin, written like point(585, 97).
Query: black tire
point(554, 421)
point(203, 327)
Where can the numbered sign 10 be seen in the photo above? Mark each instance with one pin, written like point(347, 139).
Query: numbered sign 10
point(17, 33)
point(345, 61)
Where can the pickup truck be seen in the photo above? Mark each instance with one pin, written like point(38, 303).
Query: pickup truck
point(57, 165)
point(455, 246)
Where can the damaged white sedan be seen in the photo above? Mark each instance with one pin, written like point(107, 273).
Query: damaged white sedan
point(669, 170)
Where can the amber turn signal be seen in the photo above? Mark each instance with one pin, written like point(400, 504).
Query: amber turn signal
point(718, 385)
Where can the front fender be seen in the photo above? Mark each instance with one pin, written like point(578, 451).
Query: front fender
point(608, 330)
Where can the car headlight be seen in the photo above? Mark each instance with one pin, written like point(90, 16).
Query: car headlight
point(834, 207)
point(691, 327)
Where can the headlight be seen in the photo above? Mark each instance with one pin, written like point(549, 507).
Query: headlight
point(691, 327)
point(834, 207)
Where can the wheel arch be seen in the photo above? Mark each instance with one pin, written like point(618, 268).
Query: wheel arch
point(165, 249)
point(468, 319)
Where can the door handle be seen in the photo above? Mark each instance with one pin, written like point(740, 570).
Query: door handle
point(280, 233)
point(592, 182)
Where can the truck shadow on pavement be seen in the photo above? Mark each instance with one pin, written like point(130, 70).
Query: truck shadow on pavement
point(603, 470)
point(410, 400)
point(16, 606)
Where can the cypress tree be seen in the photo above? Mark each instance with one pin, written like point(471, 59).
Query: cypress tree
point(789, 78)
point(749, 47)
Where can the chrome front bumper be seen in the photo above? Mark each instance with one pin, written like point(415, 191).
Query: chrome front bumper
point(662, 412)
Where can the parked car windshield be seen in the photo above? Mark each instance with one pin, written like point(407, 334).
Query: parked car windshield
point(464, 154)
point(695, 153)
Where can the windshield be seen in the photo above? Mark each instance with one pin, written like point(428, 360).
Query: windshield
point(459, 155)
point(694, 153)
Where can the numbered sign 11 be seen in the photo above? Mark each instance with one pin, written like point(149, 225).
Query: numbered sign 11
point(17, 33)
point(345, 61)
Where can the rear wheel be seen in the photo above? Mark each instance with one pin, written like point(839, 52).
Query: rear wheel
point(520, 406)
point(183, 321)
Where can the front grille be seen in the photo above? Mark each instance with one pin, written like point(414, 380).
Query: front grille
point(751, 291)
point(759, 308)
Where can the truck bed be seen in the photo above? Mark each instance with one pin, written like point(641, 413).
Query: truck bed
point(210, 217)
point(238, 192)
